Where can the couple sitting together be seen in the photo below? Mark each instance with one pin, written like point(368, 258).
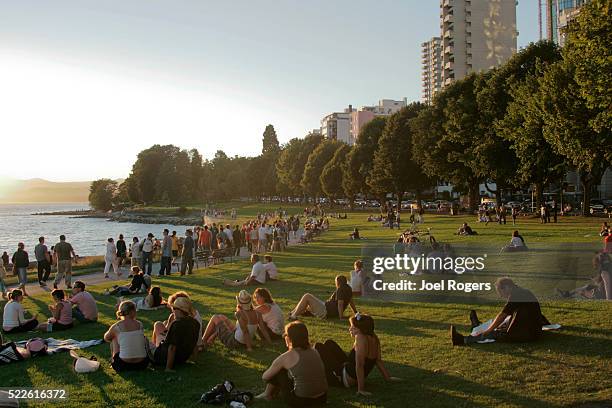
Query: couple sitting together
point(260, 273)
point(302, 375)
point(62, 311)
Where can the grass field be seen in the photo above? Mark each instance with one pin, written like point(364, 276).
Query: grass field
point(570, 367)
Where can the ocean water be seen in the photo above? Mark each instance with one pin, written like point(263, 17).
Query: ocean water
point(87, 235)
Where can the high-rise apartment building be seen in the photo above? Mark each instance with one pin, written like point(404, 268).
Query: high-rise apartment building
point(431, 77)
point(558, 14)
point(476, 35)
point(337, 126)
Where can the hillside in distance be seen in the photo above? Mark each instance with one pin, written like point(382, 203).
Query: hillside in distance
point(43, 191)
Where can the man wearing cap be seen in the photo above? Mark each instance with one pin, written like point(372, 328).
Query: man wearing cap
point(182, 338)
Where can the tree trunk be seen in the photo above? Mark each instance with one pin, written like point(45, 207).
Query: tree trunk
point(588, 180)
point(473, 196)
point(538, 189)
point(399, 196)
point(417, 196)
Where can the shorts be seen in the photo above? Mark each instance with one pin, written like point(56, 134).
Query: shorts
point(59, 326)
point(318, 308)
point(227, 337)
point(119, 365)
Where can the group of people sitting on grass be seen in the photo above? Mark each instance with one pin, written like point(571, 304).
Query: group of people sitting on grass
point(260, 272)
point(81, 306)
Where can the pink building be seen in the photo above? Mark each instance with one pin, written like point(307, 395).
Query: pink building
point(358, 120)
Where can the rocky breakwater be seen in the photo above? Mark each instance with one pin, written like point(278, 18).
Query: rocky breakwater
point(151, 218)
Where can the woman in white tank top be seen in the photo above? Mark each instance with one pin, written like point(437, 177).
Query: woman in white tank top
point(127, 340)
point(271, 313)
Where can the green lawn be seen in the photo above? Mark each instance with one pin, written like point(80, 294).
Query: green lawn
point(565, 368)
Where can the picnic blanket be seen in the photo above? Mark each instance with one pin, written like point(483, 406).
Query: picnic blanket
point(485, 326)
point(57, 346)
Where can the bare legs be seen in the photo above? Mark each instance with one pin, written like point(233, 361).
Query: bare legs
point(303, 305)
point(211, 329)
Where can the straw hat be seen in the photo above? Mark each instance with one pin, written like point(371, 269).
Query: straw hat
point(244, 299)
point(183, 304)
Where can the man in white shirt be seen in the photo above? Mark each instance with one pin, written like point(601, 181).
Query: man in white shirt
point(257, 276)
point(270, 267)
point(263, 237)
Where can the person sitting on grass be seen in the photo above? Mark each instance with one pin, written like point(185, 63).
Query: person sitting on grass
point(334, 307)
point(13, 320)
point(270, 312)
point(257, 276)
point(160, 329)
point(600, 286)
point(62, 313)
point(139, 282)
point(271, 270)
point(180, 342)
point(465, 229)
point(352, 370)
point(517, 243)
point(357, 277)
point(86, 309)
point(2, 284)
point(152, 300)
point(525, 323)
point(128, 343)
point(298, 374)
point(355, 234)
point(239, 335)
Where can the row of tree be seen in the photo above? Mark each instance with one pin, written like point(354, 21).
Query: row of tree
point(525, 123)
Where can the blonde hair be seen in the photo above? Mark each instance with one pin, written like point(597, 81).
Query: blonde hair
point(125, 308)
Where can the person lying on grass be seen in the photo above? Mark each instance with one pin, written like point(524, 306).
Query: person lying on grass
point(309, 305)
point(525, 323)
point(138, 283)
point(180, 342)
point(13, 320)
point(366, 354)
point(239, 335)
point(86, 309)
point(62, 313)
point(271, 314)
point(128, 343)
point(298, 374)
point(160, 329)
point(257, 276)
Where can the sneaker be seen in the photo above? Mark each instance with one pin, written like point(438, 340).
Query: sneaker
point(106, 276)
point(55, 286)
point(42, 284)
point(474, 319)
point(456, 338)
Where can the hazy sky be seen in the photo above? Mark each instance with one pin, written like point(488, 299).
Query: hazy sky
point(86, 84)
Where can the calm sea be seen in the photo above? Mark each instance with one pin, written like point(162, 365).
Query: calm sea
point(87, 235)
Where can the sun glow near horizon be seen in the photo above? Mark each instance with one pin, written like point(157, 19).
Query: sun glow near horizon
point(64, 122)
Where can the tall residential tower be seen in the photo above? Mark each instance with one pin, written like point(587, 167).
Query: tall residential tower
point(431, 57)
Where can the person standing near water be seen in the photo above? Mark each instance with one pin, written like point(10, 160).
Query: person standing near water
point(110, 258)
point(187, 255)
point(43, 261)
point(147, 254)
point(121, 251)
point(21, 261)
point(166, 259)
point(64, 254)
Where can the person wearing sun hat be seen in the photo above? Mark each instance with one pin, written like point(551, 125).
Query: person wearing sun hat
point(240, 334)
point(182, 338)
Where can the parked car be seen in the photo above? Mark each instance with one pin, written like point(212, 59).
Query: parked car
point(596, 206)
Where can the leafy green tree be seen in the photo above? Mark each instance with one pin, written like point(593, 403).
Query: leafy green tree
point(197, 174)
point(538, 164)
point(270, 153)
point(102, 194)
point(292, 161)
point(395, 168)
point(588, 49)
point(496, 159)
point(332, 174)
point(445, 134)
point(270, 143)
point(146, 170)
point(319, 157)
point(361, 158)
point(567, 118)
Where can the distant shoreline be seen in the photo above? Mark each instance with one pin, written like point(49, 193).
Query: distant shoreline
point(139, 218)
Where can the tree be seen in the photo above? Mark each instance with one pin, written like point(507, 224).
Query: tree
point(538, 164)
point(445, 134)
point(332, 174)
point(361, 157)
point(496, 159)
point(270, 153)
point(292, 161)
point(320, 156)
point(588, 49)
point(270, 143)
point(197, 174)
point(102, 193)
point(395, 168)
point(568, 119)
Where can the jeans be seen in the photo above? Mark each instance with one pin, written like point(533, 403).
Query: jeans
point(165, 265)
point(22, 274)
point(147, 262)
point(44, 269)
point(187, 264)
point(76, 312)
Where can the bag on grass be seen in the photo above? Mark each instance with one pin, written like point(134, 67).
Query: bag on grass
point(84, 365)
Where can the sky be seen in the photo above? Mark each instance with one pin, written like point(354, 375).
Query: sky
point(87, 84)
